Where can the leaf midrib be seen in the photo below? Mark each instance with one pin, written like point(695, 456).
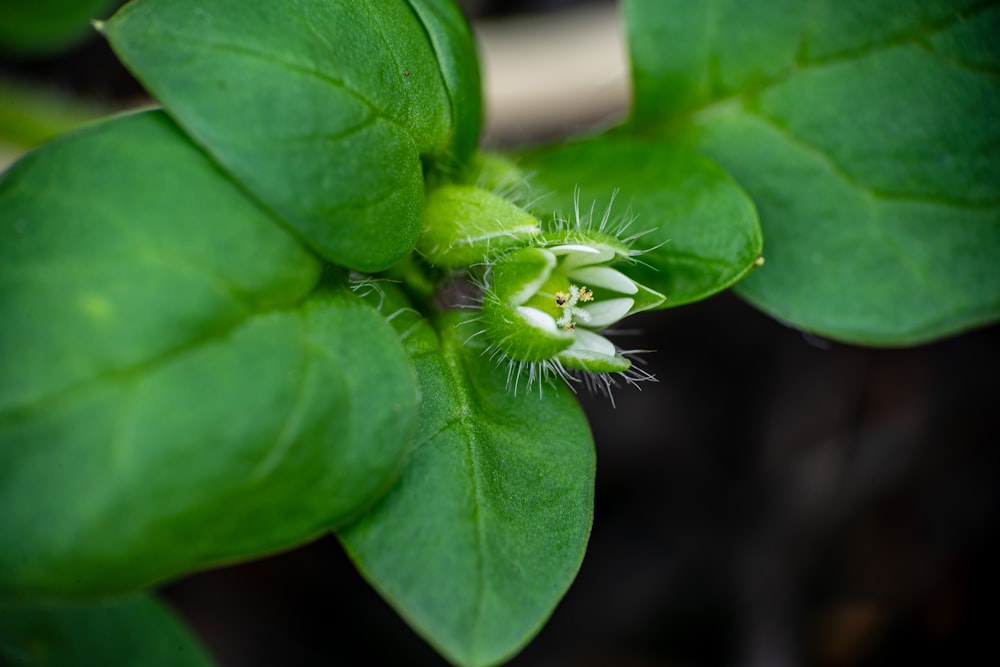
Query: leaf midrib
point(127, 374)
point(466, 410)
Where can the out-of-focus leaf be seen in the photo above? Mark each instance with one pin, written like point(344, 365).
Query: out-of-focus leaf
point(866, 134)
point(38, 26)
point(137, 632)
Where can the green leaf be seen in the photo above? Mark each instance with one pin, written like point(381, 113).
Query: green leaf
point(701, 226)
point(169, 401)
point(866, 134)
point(488, 523)
point(138, 632)
point(36, 26)
point(122, 243)
point(451, 38)
point(321, 108)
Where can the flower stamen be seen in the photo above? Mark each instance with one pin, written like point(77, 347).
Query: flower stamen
point(570, 311)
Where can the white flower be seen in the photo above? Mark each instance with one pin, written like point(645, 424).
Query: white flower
point(548, 305)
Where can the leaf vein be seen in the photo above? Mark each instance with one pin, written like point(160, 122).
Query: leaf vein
point(465, 413)
point(868, 191)
point(907, 38)
point(802, 65)
point(979, 70)
point(127, 373)
point(293, 66)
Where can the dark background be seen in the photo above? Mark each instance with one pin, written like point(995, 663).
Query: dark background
point(773, 499)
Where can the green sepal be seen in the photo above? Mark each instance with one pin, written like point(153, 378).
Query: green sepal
point(607, 244)
point(593, 353)
point(518, 275)
point(518, 337)
point(646, 299)
point(514, 281)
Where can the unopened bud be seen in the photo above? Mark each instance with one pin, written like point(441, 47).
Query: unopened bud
point(464, 225)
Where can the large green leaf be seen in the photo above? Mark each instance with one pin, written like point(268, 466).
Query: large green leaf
point(321, 108)
point(866, 134)
point(487, 525)
point(168, 400)
point(701, 226)
point(137, 632)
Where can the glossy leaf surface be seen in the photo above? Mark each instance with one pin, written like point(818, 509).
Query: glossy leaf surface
point(487, 525)
point(866, 134)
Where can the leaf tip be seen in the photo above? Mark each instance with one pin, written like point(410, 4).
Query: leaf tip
point(99, 25)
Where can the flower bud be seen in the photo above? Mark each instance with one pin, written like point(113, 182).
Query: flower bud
point(463, 225)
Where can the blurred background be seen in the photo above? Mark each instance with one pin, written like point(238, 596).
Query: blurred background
point(774, 499)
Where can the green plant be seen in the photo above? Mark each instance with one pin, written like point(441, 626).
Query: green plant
point(298, 300)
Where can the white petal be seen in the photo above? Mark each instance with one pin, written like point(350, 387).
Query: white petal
point(603, 276)
point(537, 318)
point(589, 344)
point(581, 255)
point(573, 247)
point(606, 312)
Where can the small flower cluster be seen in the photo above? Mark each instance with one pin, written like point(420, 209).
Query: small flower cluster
point(545, 306)
point(548, 292)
